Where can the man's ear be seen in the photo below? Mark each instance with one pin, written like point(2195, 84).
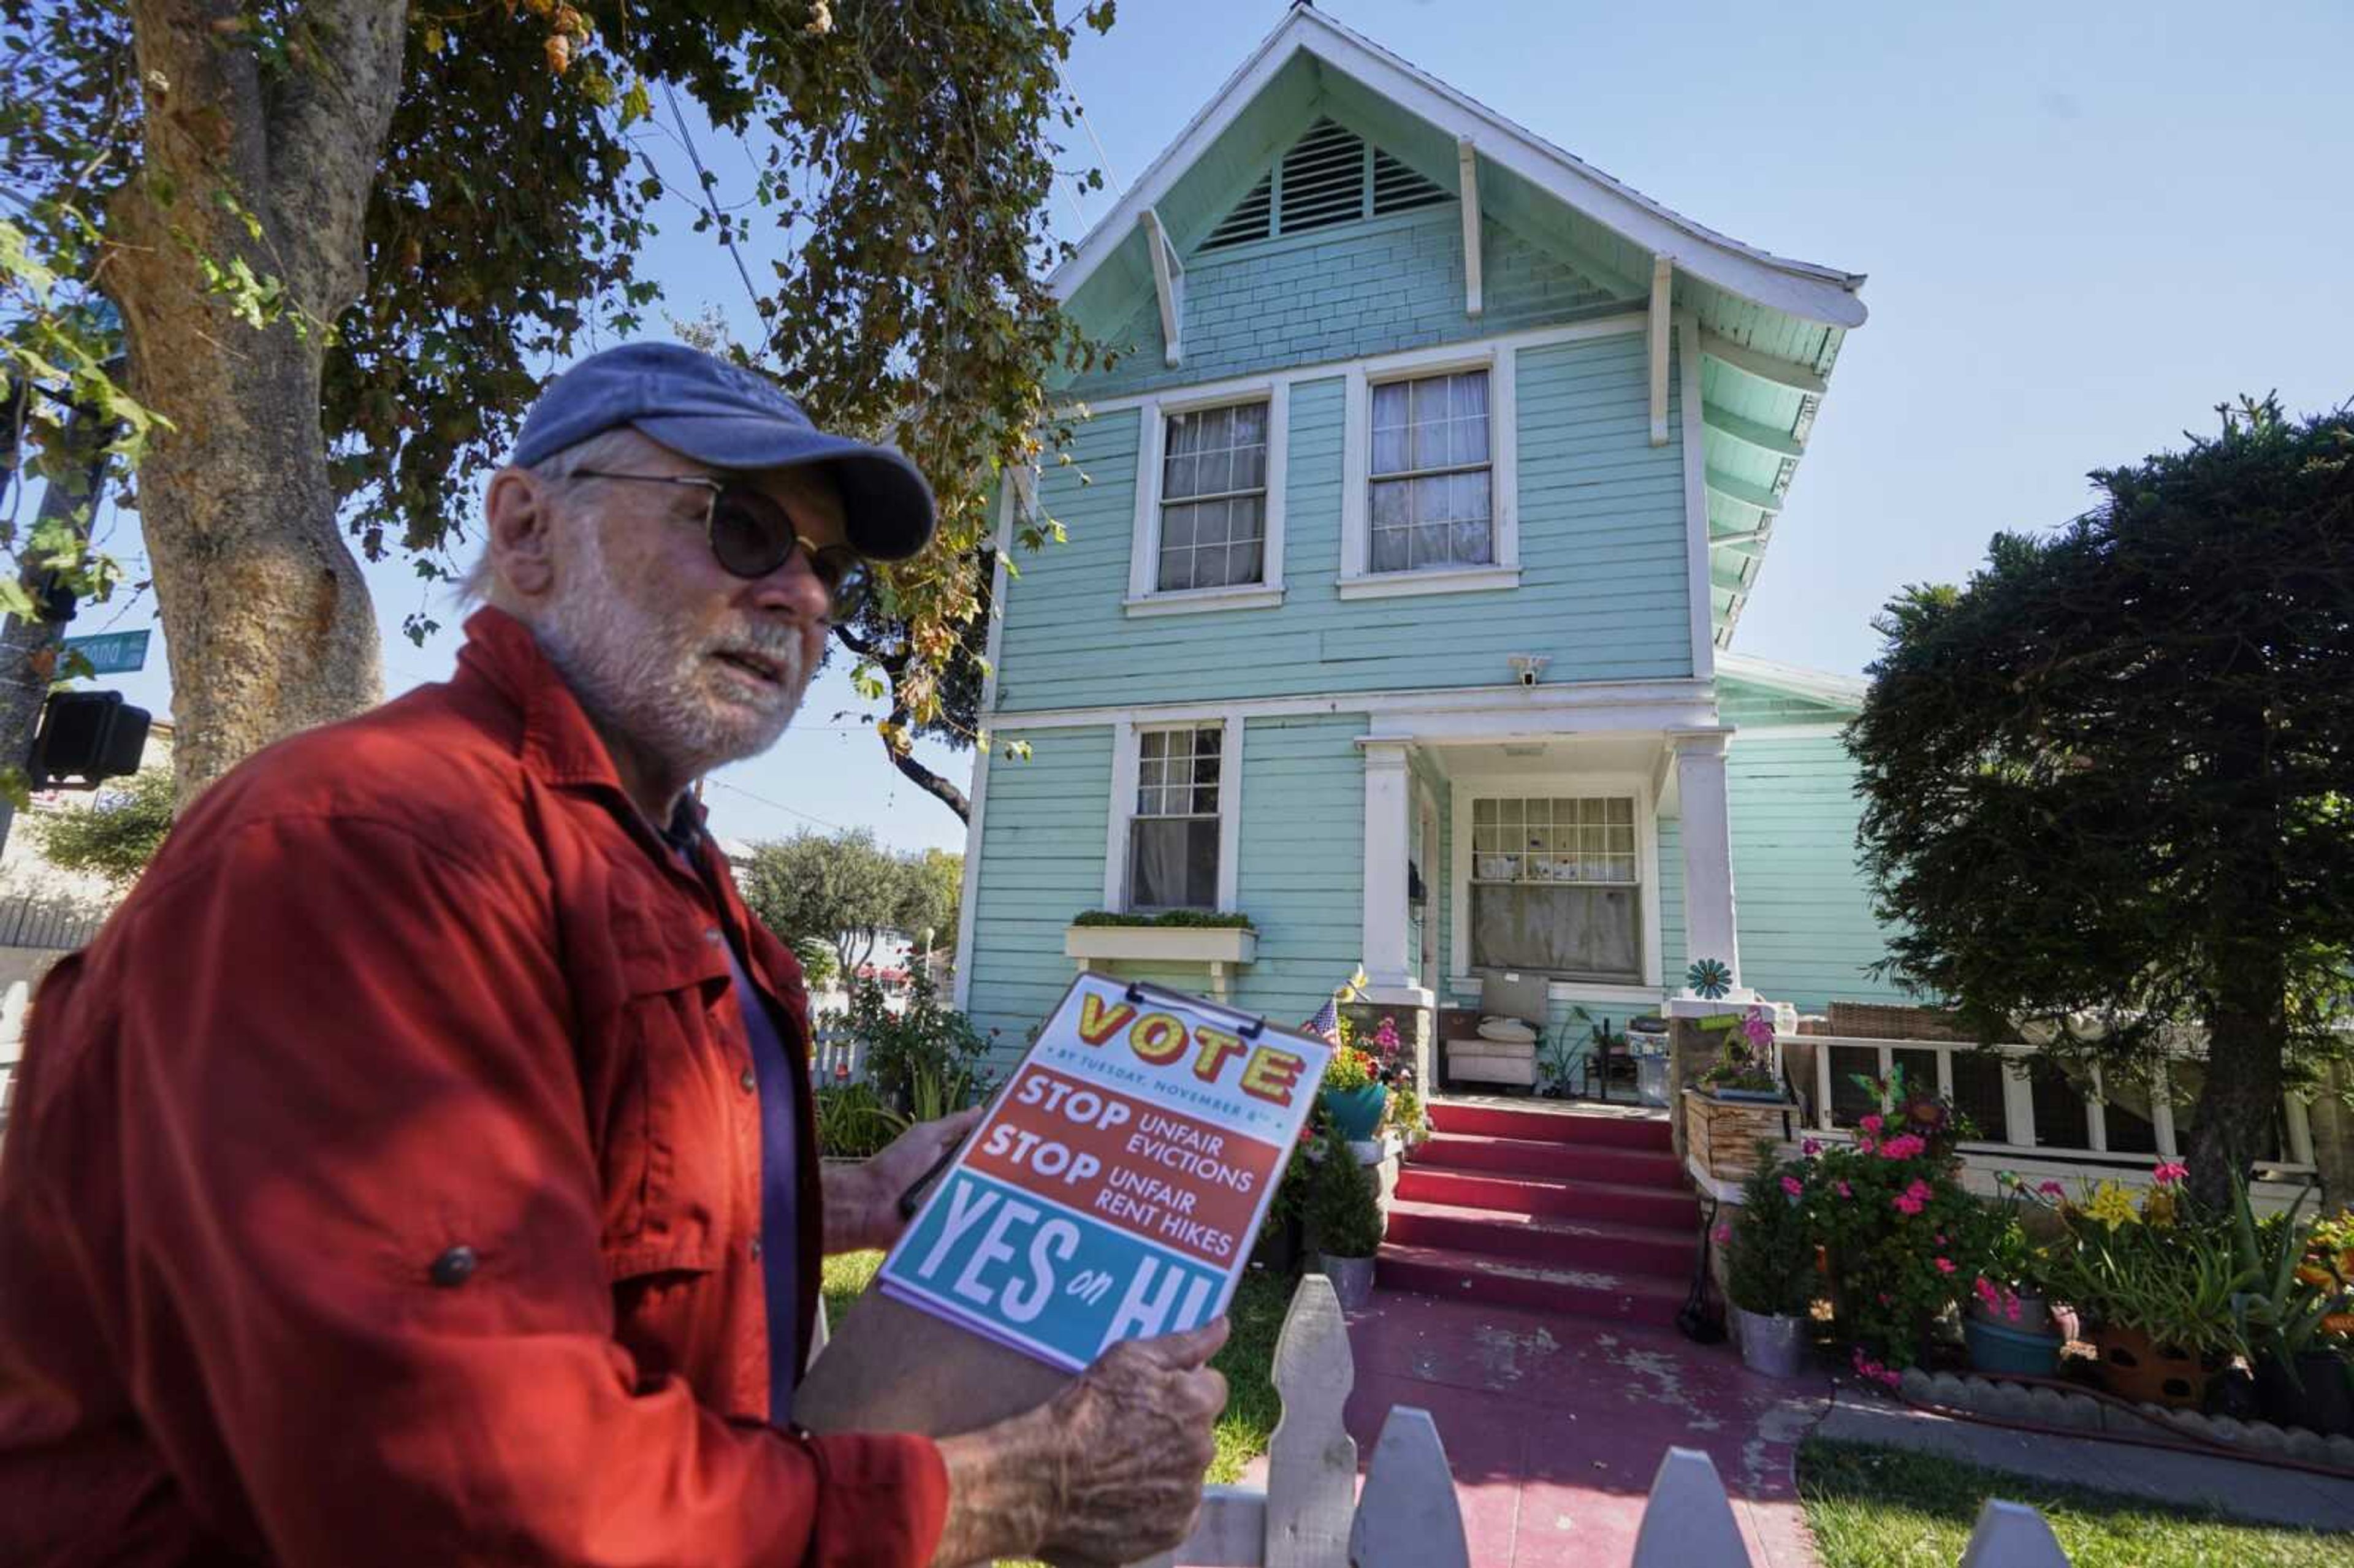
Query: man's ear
point(520, 515)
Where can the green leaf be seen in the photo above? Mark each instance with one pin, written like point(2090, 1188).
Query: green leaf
point(636, 104)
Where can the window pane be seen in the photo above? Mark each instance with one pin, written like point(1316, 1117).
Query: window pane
point(2060, 1118)
point(1180, 481)
point(1392, 507)
point(1851, 1101)
point(1217, 476)
point(1246, 521)
point(1389, 451)
point(1209, 739)
point(1242, 562)
point(1586, 932)
point(1430, 499)
point(1176, 569)
point(1202, 866)
point(1977, 1093)
point(1483, 811)
point(1429, 548)
point(1184, 436)
point(1389, 549)
point(1250, 424)
point(1390, 406)
point(1470, 394)
point(1469, 497)
point(1152, 743)
point(1165, 863)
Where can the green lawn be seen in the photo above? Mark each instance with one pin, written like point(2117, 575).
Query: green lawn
point(1247, 1359)
point(1885, 1507)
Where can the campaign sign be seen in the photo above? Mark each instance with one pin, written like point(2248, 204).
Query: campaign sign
point(1115, 1188)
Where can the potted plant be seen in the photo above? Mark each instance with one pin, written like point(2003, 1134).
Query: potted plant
point(1408, 1114)
point(2006, 1323)
point(2156, 1283)
point(2297, 1282)
point(1353, 1093)
point(1745, 1069)
point(1279, 1233)
point(1770, 1267)
point(1344, 1219)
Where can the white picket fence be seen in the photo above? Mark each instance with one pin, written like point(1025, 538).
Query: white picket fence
point(1688, 1524)
point(1311, 1515)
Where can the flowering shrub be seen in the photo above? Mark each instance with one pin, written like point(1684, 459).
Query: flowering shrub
point(1349, 1069)
point(2145, 1265)
point(1904, 1241)
point(1747, 1062)
point(1770, 1255)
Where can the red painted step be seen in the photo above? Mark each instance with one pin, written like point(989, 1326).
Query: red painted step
point(1607, 1244)
point(1654, 1207)
point(1534, 1157)
point(1649, 1133)
point(1580, 1292)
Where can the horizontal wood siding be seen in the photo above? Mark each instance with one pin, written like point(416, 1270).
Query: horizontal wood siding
point(1602, 593)
point(1672, 957)
point(1376, 287)
point(1042, 862)
point(1303, 860)
point(1800, 900)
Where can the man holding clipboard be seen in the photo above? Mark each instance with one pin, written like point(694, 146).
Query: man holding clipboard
point(418, 1168)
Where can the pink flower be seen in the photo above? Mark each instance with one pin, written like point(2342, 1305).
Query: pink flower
point(1985, 1291)
point(1724, 1235)
point(2169, 1171)
point(1907, 1204)
point(1869, 1123)
point(1864, 1146)
point(1790, 1185)
point(1845, 1190)
point(1904, 1145)
point(1920, 1191)
point(2052, 1190)
point(1939, 1238)
point(1811, 1148)
point(1945, 1265)
point(2011, 1308)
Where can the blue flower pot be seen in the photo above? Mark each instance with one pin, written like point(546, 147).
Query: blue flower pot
point(1356, 1112)
point(1996, 1348)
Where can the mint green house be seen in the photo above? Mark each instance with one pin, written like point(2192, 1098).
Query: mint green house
point(1409, 536)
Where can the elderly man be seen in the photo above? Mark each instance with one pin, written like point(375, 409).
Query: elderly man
point(418, 1168)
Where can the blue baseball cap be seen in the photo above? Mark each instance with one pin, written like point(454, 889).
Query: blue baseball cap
point(728, 418)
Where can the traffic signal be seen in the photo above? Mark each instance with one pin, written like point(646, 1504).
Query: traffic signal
point(85, 737)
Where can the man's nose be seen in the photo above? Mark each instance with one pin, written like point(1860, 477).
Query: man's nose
point(794, 589)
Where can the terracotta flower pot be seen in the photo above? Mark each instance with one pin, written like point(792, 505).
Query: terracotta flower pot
point(2137, 1369)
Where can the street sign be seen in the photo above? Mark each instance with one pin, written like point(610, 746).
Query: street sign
point(115, 653)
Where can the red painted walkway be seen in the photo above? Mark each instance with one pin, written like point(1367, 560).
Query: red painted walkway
point(1553, 1425)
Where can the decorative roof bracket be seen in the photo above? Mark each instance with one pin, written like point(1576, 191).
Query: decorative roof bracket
point(1168, 284)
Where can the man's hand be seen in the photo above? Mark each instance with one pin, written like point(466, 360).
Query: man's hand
point(861, 1202)
point(1108, 1471)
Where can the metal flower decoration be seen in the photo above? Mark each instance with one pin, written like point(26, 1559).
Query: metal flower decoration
point(1708, 977)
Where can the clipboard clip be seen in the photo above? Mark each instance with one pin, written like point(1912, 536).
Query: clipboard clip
point(1251, 1025)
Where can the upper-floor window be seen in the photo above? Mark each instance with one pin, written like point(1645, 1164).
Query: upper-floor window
point(1174, 834)
point(1432, 503)
point(1213, 498)
point(1556, 887)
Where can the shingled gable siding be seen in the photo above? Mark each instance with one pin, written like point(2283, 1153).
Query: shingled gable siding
point(1602, 554)
point(1386, 284)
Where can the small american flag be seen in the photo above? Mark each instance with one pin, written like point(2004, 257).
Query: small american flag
point(1326, 1024)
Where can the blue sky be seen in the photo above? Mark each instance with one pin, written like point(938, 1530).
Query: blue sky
point(2085, 226)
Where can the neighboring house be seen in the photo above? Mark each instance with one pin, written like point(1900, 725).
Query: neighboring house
point(1408, 538)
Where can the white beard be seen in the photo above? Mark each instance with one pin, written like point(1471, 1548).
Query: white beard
point(651, 678)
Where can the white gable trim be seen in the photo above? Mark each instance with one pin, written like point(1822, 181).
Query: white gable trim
point(1802, 289)
point(1819, 686)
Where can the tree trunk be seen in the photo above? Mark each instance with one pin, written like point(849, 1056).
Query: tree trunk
point(265, 612)
point(931, 783)
point(2239, 1105)
point(29, 649)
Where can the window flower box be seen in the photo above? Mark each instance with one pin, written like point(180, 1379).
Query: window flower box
point(1216, 948)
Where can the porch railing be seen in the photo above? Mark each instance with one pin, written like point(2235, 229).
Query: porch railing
point(2003, 1093)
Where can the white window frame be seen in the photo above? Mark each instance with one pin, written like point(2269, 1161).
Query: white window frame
point(1125, 760)
point(1145, 596)
point(1521, 785)
point(1358, 581)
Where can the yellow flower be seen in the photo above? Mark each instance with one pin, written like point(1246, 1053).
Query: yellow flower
point(2111, 1207)
point(2157, 1207)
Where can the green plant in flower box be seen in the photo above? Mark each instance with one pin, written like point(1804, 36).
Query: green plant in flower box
point(2153, 1266)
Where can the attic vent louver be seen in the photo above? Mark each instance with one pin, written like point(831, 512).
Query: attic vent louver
point(1329, 176)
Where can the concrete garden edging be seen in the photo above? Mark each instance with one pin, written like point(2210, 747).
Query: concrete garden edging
point(2040, 1405)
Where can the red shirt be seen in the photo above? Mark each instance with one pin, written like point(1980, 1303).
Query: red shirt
point(384, 1180)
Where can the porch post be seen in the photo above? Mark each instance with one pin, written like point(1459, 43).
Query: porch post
point(1708, 928)
point(1389, 821)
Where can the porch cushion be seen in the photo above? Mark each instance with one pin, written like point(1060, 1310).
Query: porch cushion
point(1510, 1031)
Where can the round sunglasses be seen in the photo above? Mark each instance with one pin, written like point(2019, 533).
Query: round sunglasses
point(751, 536)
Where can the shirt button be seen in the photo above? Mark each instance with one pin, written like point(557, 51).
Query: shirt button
point(751, 1083)
point(454, 1267)
point(755, 1249)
